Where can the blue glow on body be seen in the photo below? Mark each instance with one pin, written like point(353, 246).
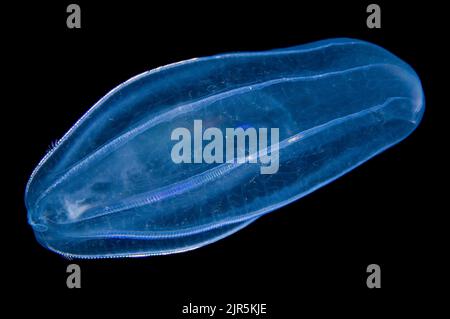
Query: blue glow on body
point(110, 189)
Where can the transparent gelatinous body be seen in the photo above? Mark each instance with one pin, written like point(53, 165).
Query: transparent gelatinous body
point(111, 189)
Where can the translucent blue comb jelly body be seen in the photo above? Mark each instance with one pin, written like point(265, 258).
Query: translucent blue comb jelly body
point(156, 166)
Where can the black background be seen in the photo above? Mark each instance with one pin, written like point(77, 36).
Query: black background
point(310, 255)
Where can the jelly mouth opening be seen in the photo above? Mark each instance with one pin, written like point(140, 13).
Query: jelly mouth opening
point(39, 227)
